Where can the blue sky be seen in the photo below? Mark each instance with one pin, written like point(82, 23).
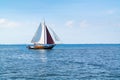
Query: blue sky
point(75, 21)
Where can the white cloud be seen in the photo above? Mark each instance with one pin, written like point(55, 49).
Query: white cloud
point(117, 25)
point(83, 23)
point(7, 23)
point(110, 11)
point(2, 21)
point(69, 23)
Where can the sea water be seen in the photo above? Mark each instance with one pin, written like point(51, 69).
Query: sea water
point(63, 62)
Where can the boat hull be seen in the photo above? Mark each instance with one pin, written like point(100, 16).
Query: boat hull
point(41, 47)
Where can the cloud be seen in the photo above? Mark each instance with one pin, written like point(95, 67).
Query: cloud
point(117, 24)
point(7, 23)
point(83, 23)
point(110, 11)
point(69, 23)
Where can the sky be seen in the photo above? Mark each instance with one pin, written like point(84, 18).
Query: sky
point(74, 21)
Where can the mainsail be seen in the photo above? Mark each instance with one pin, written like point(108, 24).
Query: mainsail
point(43, 36)
point(42, 39)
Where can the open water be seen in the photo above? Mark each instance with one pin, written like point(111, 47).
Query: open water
point(63, 62)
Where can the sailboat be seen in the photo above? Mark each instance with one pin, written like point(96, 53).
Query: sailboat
point(44, 38)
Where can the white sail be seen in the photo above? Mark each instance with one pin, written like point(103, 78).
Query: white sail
point(43, 39)
point(43, 36)
point(37, 35)
point(40, 35)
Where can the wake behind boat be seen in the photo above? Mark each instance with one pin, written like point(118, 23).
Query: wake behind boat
point(44, 38)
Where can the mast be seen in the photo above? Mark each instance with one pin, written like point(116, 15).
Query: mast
point(45, 35)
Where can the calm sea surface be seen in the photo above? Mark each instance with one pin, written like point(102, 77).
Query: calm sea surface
point(63, 62)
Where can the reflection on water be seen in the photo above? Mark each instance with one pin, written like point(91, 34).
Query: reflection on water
point(43, 55)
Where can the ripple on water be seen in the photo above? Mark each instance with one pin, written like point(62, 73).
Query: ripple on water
point(71, 62)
